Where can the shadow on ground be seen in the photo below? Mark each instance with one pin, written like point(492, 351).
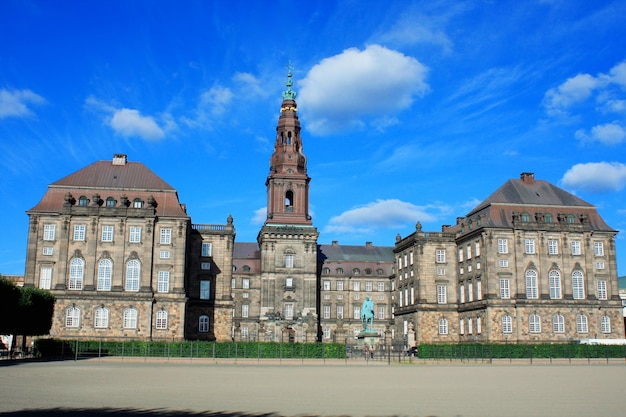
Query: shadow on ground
point(126, 412)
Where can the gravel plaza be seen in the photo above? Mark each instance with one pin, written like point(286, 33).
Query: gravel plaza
point(332, 388)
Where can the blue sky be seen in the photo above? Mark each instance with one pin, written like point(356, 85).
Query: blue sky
point(411, 110)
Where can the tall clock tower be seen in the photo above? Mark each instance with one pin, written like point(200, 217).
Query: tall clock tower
point(288, 240)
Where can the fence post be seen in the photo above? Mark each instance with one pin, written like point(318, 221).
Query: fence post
point(76, 352)
point(100, 349)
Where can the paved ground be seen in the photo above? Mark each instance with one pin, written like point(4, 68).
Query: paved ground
point(206, 388)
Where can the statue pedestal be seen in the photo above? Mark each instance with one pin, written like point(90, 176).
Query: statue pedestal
point(368, 341)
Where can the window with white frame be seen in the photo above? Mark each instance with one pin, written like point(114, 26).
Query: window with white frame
point(289, 282)
point(356, 286)
point(133, 269)
point(461, 292)
point(161, 320)
point(77, 271)
point(45, 278)
point(207, 249)
point(399, 263)
point(461, 327)
point(49, 231)
point(479, 325)
point(289, 258)
point(599, 265)
point(369, 286)
point(137, 203)
point(340, 312)
point(410, 258)
point(505, 289)
point(578, 285)
point(72, 317)
point(107, 233)
point(503, 246)
point(598, 248)
point(534, 323)
point(576, 247)
point(206, 266)
point(356, 312)
point(135, 234)
point(205, 289)
point(381, 312)
point(479, 290)
point(477, 248)
point(602, 293)
point(581, 324)
point(442, 294)
point(289, 311)
point(605, 324)
point(468, 250)
point(443, 326)
point(105, 273)
point(245, 310)
point(79, 232)
point(470, 291)
point(470, 326)
point(166, 236)
point(245, 332)
point(163, 284)
point(507, 324)
point(460, 255)
point(504, 263)
point(47, 250)
point(326, 285)
point(558, 323)
point(326, 312)
point(164, 254)
point(554, 279)
point(406, 263)
point(440, 256)
point(553, 247)
point(381, 286)
point(531, 284)
point(245, 283)
point(441, 271)
point(101, 318)
point(529, 246)
point(130, 318)
point(203, 324)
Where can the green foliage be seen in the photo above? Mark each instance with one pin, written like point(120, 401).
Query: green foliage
point(25, 310)
point(9, 301)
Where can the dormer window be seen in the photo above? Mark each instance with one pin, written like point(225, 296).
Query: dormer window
point(83, 201)
point(110, 202)
point(137, 203)
point(525, 217)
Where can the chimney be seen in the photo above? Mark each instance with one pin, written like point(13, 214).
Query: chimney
point(368, 244)
point(335, 243)
point(527, 178)
point(119, 159)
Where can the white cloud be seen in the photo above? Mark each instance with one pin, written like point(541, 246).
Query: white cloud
point(575, 90)
point(618, 74)
point(215, 100)
point(129, 122)
point(596, 177)
point(259, 216)
point(250, 84)
point(16, 103)
point(381, 214)
point(341, 91)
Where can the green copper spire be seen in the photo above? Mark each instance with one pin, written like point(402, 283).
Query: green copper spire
point(289, 94)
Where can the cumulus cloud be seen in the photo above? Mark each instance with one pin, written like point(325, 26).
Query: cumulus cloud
point(259, 216)
point(575, 90)
point(343, 91)
point(249, 84)
point(381, 214)
point(608, 134)
point(15, 103)
point(215, 100)
point(596, 177)
point(129, 122)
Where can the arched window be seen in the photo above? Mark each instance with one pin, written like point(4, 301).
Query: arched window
point(105, 270)
point(581, 324)
point(558, 324)
point(137, 203)
point(368, 271)
point(531, 284)
point(339, 271)
point(555, 284)
point(101, 318)
point(525, 217)
point(443, 326)
point(83, 201)
point(534, 323)
point(326, 271)
point(547, 218)
point(72, 317)
point(289, 200)
point(110, 202)
point(161, 320)
point(356, 271)
point(133, 269)
point(380, 272)
point(606, 324)
point(130, 318)
point(77, 271)
point(246, 268)
point(578, 285)
point(203, 324)
point(570, 219)
point(507, 324)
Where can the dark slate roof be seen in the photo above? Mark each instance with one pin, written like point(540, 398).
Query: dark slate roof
point(246, 250)
point(104, 174)
point(349, 253)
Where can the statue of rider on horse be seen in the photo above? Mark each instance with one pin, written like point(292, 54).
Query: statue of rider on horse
point(367, 314)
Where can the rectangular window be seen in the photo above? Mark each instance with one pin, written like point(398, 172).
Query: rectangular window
point(581, 324)
point(558, 324)
point(164, 254)
point(339, 285)
point(381, 313)
point(205, 290)
point(461, 293)
point(554, 279)
point(529, 246)
point(381, 286)
point(326, 312)
point(477, 248)
point(207, 249)
point(245, 332)
point(45, 278)
point(461, 327)
point(479, 325)
point(164, 281)
point(441, 271)
point(245, 310)
point(507, 324)
point(505, 290)
point(470, 291)
point(47, 250)
point(326, 285)
point(598, 248)
point(79, 232)
point(205, 265)
point(460, 255)
point(356, 312)
point(578, 286)
point(442, 294)
point(399, 263)
point(369, 286)
point(602, 293)
point(340, 312)
point(553, 247)
point(503, 246)
point(135, 234)
point(443, 326)
point(531, 285)
point(411, 258)
point(504, 263)
point(479, 290)
point(599, 265)
point(289, 261)
point(326, 332)
point(245, 283)
point(470, 327)
point(107, 233)
point(288, 311)
point(469, 252)
point(440, 256)
point(166, 236)
point(49, 231)
point(575, 247)
point(356, 286)
point(534, 323)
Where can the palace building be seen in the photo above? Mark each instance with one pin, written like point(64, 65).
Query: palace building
point(112, 241)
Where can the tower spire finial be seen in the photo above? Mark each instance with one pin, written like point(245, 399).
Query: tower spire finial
point(289, 94)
